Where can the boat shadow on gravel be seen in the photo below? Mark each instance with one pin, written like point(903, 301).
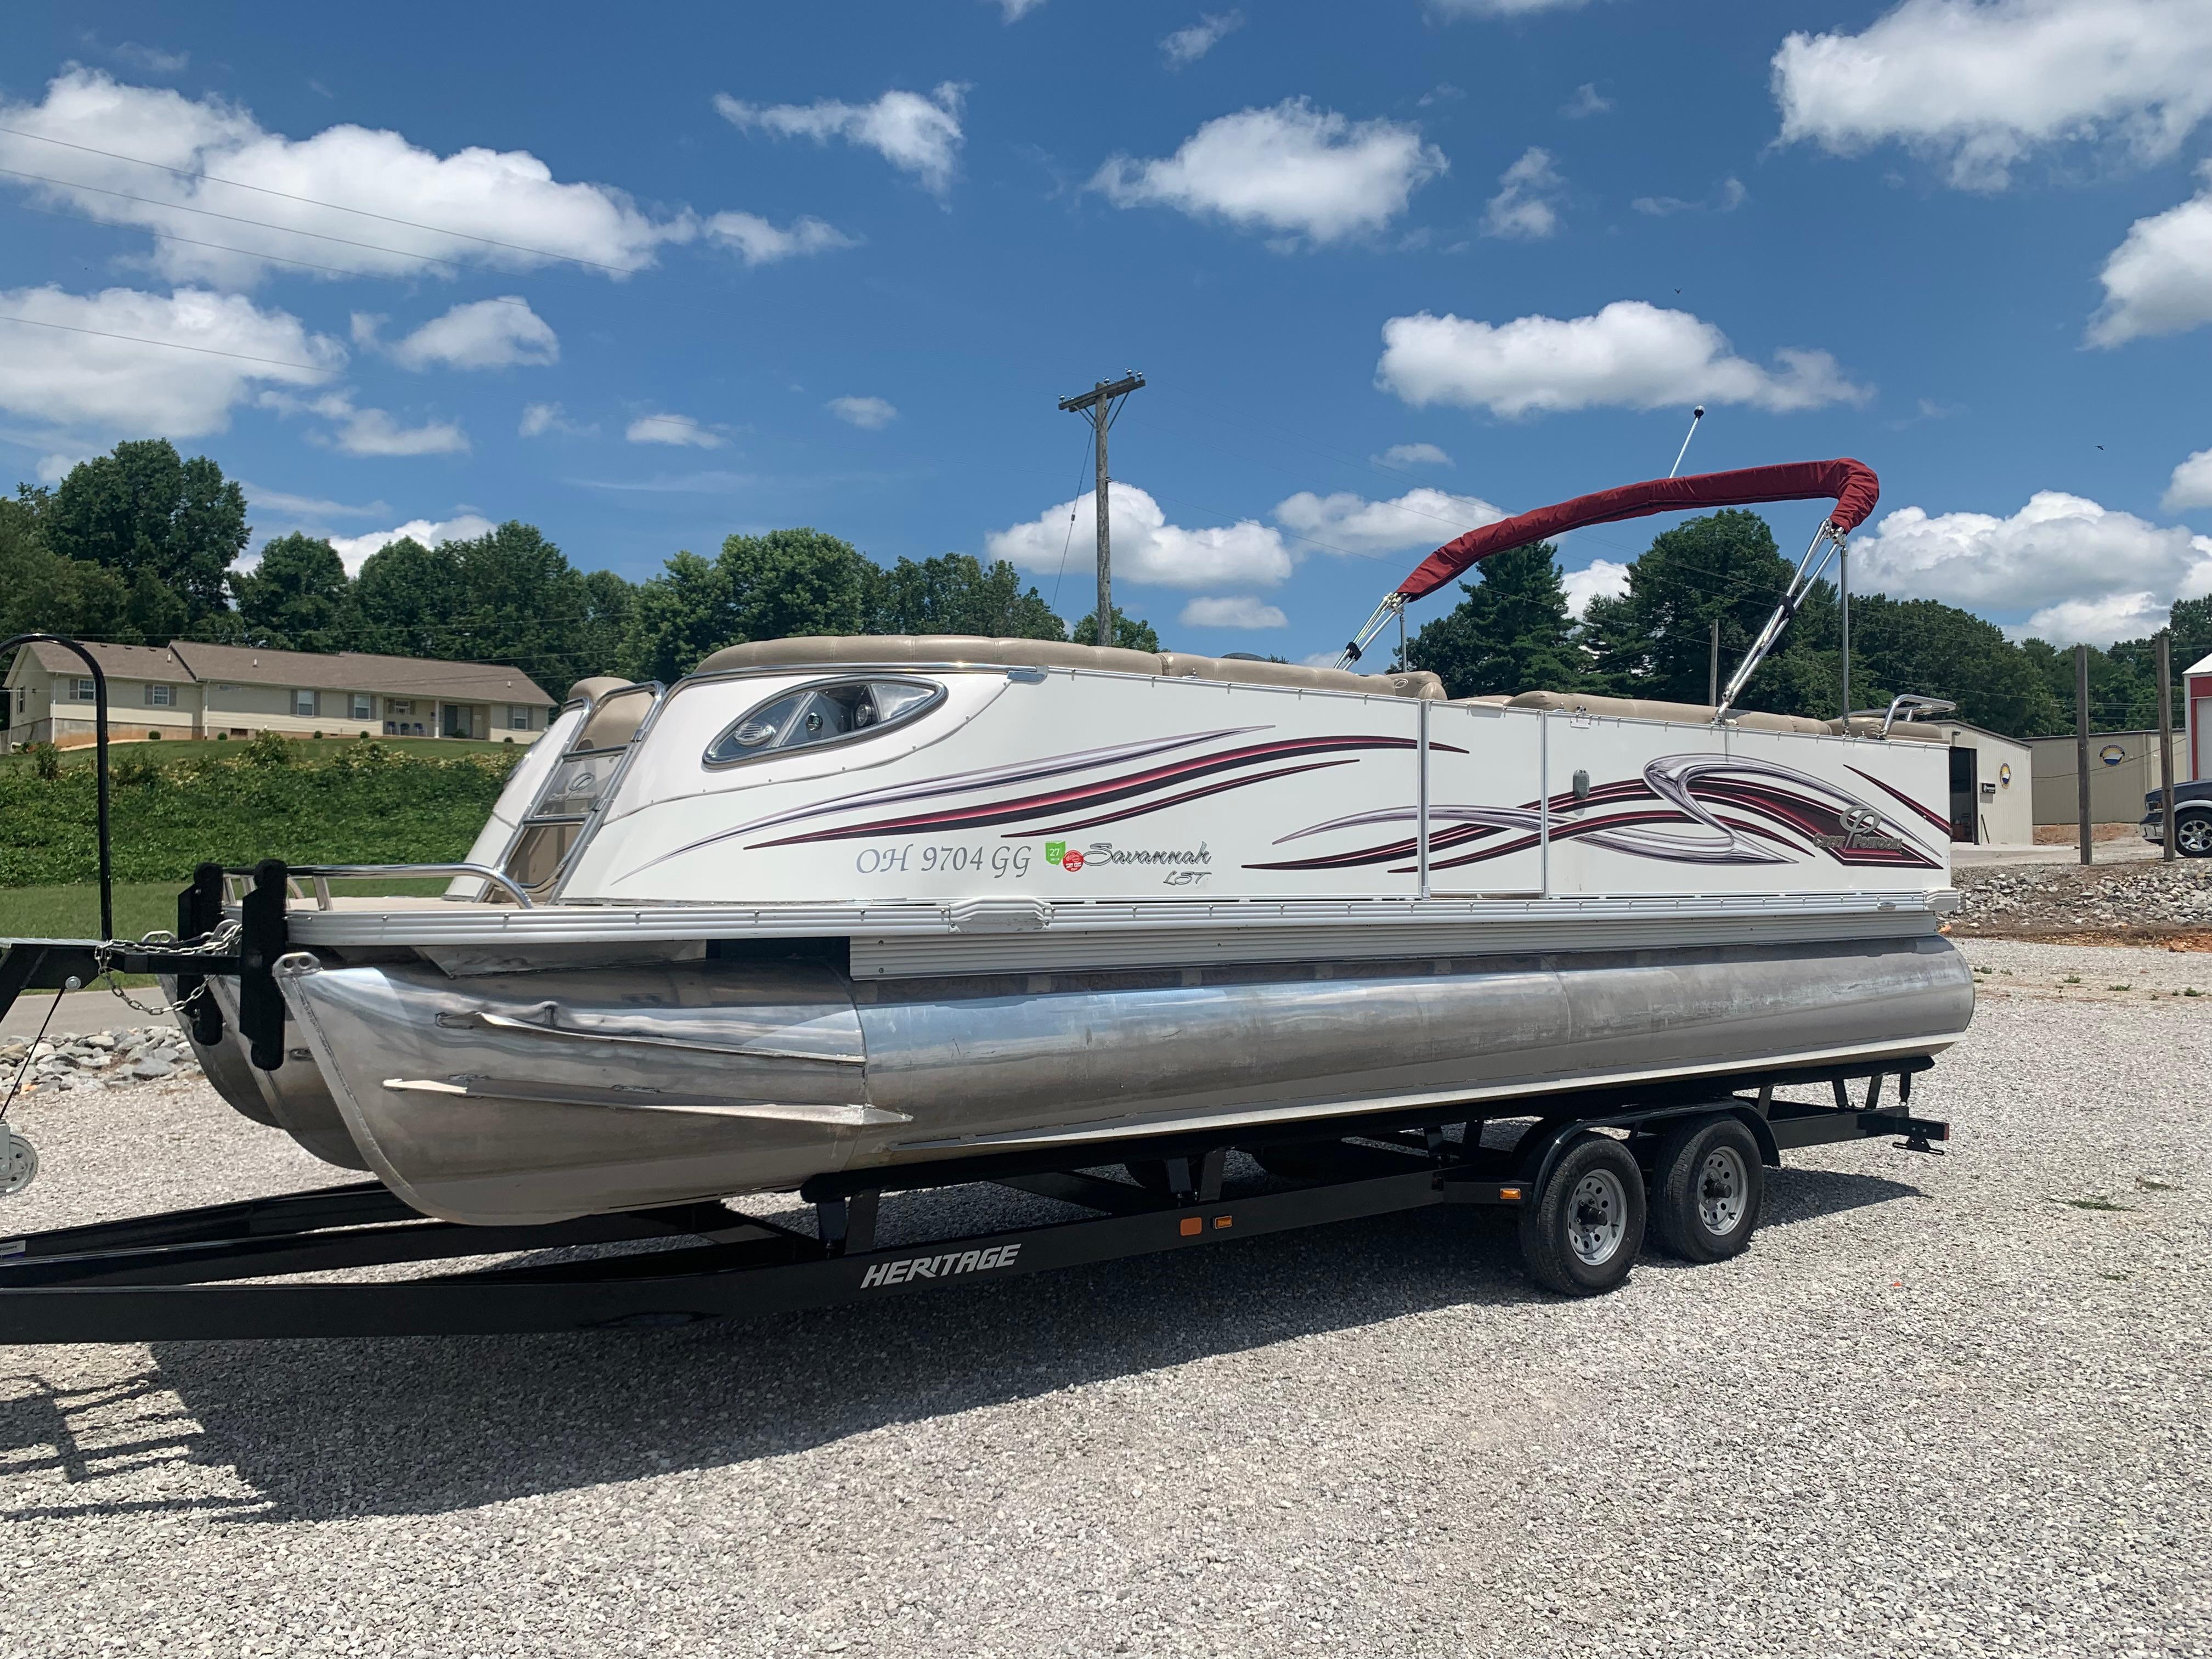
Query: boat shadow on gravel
point(326, 1429)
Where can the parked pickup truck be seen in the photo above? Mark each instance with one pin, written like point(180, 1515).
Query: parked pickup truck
point(2192, 825)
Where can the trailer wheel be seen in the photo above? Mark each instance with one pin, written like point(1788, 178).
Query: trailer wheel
point(1707, 1185)
point(1582, 1234)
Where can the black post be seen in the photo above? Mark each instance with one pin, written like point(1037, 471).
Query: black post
point(2082, 742)
point(99, 761)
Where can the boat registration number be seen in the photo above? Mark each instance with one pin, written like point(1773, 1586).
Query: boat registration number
point(998, 862)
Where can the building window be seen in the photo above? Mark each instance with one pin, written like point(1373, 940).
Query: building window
point(303, 704)
point(81, 691)
point(23, 695)
point(160, 697)
point(400, 706)
point(518, 719)
point(360, 708)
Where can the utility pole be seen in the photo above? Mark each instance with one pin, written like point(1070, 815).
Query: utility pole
point(2166, 736)
point(1098, 406)
point(2082, 742)
point(1713, 673)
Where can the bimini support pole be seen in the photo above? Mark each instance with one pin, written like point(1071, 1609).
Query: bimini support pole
point(1394, 604)
point(1809, 571)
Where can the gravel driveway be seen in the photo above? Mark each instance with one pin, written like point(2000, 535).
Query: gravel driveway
point(1945, 1406)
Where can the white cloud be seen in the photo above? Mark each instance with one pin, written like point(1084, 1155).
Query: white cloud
point(181, 363)
point(1014, 10)
point(1147, 548)
point(757, 242)
point(374, 432)
point(1726, 199)
point(1237, 610)
point(314, 506)
point(1186, 46)
point(2066, 558)
point(871, 414)
point(538, 419)
point(2158, 281)
point(2099, 621)
point(1413, 455)
point(52, 469)
point(1290, 169)
point(483, 334)
point(1500, 8)
point(1600, 577)
point(1346, 523)
point(1978, 85)
point(462, 527)
point(1526, 208)
point(152, 59)
point(1586, 102)
point(680, 430)
point(1631, 355)
point(2190, 484)
point(916, 135)
point(515, 215)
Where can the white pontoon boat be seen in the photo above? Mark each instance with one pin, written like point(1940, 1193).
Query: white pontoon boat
point(826, 906)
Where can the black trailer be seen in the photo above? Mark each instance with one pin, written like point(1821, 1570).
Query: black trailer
point(1586, 1175)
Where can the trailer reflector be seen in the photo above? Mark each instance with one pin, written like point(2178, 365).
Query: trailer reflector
point(1190, 1225)
point(1509, 1194)
point(1221, 1220)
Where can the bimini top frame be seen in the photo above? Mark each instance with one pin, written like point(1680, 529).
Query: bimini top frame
point(1850, 484)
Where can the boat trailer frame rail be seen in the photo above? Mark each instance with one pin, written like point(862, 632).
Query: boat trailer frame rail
point(174, 1277)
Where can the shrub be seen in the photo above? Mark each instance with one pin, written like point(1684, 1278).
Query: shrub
point(155, 737)
point(268, 749)
point(45, 760)
point(224, 737)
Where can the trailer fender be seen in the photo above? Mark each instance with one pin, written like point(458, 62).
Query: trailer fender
point(1762, 1132)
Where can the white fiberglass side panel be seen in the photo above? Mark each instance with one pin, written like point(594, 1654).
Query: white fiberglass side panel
point(1690, 809)
point(1073, 786)
point(1482, 812)
point(515, 800)
point(1485, 789)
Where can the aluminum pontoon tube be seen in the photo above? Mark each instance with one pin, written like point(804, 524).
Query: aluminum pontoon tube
point(525, 1097)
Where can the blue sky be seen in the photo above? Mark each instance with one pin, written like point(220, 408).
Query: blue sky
point(867, 247)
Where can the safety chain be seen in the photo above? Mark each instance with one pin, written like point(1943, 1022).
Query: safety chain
point(217, 943)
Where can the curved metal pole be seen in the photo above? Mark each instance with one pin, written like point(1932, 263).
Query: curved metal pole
point(100, 761)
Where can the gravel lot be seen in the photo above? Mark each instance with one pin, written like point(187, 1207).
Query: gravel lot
point(2107, 902)
point(1945, 1406)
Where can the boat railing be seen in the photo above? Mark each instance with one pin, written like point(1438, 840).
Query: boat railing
point(319, 877)
point(1906, 703)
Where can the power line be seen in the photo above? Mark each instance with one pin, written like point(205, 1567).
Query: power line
point(224, 247)
point(336, 207)
point(174, 345)
point(233, 218)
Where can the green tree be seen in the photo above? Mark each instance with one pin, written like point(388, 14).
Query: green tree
point(609, 603)
point(1656, 641)
point(1937, 650)
point(677, 618)
point(406, 599)
point(958, 594)
point(142, 509)
point(522, 604)
point(297, 598)
point(794, 582)
point(1512, 633)
point(41, 592)
point(1130, 632)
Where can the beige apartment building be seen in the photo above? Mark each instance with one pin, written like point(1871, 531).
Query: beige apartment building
point(189, 690)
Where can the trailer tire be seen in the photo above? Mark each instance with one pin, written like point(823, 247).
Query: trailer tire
point(1582, 1234)
point(1707, 1185)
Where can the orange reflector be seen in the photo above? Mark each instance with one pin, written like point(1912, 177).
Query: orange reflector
point(1221, 1221)
point(1190, 1225)
point(1509, 1194)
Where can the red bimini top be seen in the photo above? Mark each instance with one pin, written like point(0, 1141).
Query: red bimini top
point(1851, 483)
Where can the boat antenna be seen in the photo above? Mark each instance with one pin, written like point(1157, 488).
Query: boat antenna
point(1696, 414)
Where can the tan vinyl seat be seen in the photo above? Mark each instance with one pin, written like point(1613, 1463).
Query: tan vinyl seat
point(1676, 713)
point(830, 650)
point(1243, 671)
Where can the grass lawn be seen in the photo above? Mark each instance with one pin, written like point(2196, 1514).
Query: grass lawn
point(307, 751)
point(73, 912)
